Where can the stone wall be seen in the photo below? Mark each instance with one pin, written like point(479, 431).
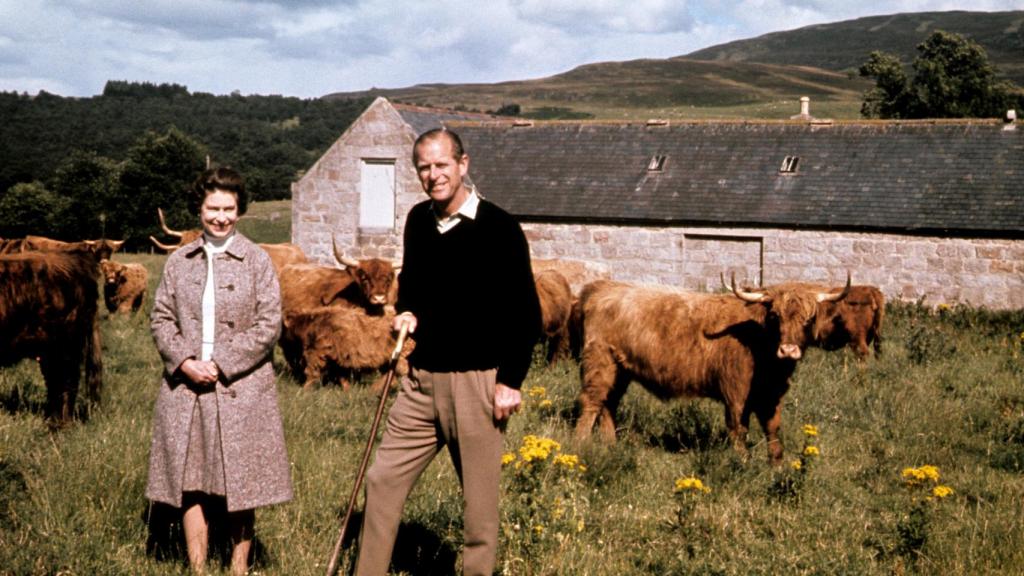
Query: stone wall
point(986, 273)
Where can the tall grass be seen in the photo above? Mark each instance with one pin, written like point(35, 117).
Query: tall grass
point(946, 392)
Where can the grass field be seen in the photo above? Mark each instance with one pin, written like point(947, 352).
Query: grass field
point(946, 393)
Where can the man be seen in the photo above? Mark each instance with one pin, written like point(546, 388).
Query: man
point(466, 290)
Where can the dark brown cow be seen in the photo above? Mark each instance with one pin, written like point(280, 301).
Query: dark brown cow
point(124, 286)
point(339, 342)
point(738, 349)
point(555, 305)
point(48, 310)
point(855, 321)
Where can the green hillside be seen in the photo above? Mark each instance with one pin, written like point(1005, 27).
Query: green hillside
point(843, 46)
point(674, 88)
point(763, 77)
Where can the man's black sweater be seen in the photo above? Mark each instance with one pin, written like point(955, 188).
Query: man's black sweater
point(472, 292)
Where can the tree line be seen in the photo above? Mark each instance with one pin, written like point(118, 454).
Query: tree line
point(100, 167)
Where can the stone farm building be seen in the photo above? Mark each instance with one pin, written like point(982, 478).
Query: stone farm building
point(929, 210)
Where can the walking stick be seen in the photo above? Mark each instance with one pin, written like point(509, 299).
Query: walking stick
point(332, 567)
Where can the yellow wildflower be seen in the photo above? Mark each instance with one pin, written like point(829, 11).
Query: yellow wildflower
point(536, 448)
point(537, 392)
point(570, 461)
point(691, 483)
point(580, 525)
point(796, 464)
point(930, 472)
point(810, 430)
point(545, 403)
point(811, 451)
point(539, 529)
point(916, 476)
point(941, 491)
point(507, 458)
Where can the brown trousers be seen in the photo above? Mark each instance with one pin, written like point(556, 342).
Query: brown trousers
point(435, 409)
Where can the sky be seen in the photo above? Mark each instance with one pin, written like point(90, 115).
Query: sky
point(310, 48)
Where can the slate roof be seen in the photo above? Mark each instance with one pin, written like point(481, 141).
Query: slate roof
point(954, 178)
point(421, 119)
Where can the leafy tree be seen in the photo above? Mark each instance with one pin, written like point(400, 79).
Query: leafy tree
point(29, 208)
point(158, 172)
point(90, 185)
point(891, 94)
point(952, 79)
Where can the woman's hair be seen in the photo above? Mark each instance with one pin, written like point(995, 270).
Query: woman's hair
point(223, 179)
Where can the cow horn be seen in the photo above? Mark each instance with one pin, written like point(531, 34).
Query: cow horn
point(164, 247)
point(341, 258)
point(747, 296)
point(163, 225)
point(829, 297)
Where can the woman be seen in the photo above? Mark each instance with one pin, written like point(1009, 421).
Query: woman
point(217, 431)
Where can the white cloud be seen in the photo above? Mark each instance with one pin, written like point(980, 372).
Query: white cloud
point(309, 48)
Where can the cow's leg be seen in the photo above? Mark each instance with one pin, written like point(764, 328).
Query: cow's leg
point(558, 346)
point(769, 414)
point(314, 370)
point(61, 388)
point(597, 374)
point(606, 419)
point(737, 420)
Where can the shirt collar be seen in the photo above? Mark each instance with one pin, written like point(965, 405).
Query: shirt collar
point(467, 210)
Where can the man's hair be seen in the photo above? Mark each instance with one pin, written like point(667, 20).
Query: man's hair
point(223, 179)
point(458, 151)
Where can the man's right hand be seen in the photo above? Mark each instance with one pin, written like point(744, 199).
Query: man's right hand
point(407, 318)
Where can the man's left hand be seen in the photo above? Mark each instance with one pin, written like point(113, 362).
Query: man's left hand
point(506, 402)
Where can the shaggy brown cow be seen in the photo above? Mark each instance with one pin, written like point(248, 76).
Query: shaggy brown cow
point(855, 321)
point(48, 303)
point(183, 236)
point(95, 249)
point(284, 254)
point(738, 349)
point(370, 285)
point(578, 273)
point(339, 342)
point(555, 305)
point(124, 286)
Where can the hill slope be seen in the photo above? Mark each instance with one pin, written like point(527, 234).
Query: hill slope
point(763, 77)
point(676, 87)
point(845, 45)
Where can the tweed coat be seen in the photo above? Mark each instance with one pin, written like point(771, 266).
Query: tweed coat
point(244, 400)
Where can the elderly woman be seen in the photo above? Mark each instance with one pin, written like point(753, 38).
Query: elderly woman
point(217, 431)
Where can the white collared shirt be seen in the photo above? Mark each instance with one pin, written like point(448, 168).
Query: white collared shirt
point(467, 210)
point(212, 247)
